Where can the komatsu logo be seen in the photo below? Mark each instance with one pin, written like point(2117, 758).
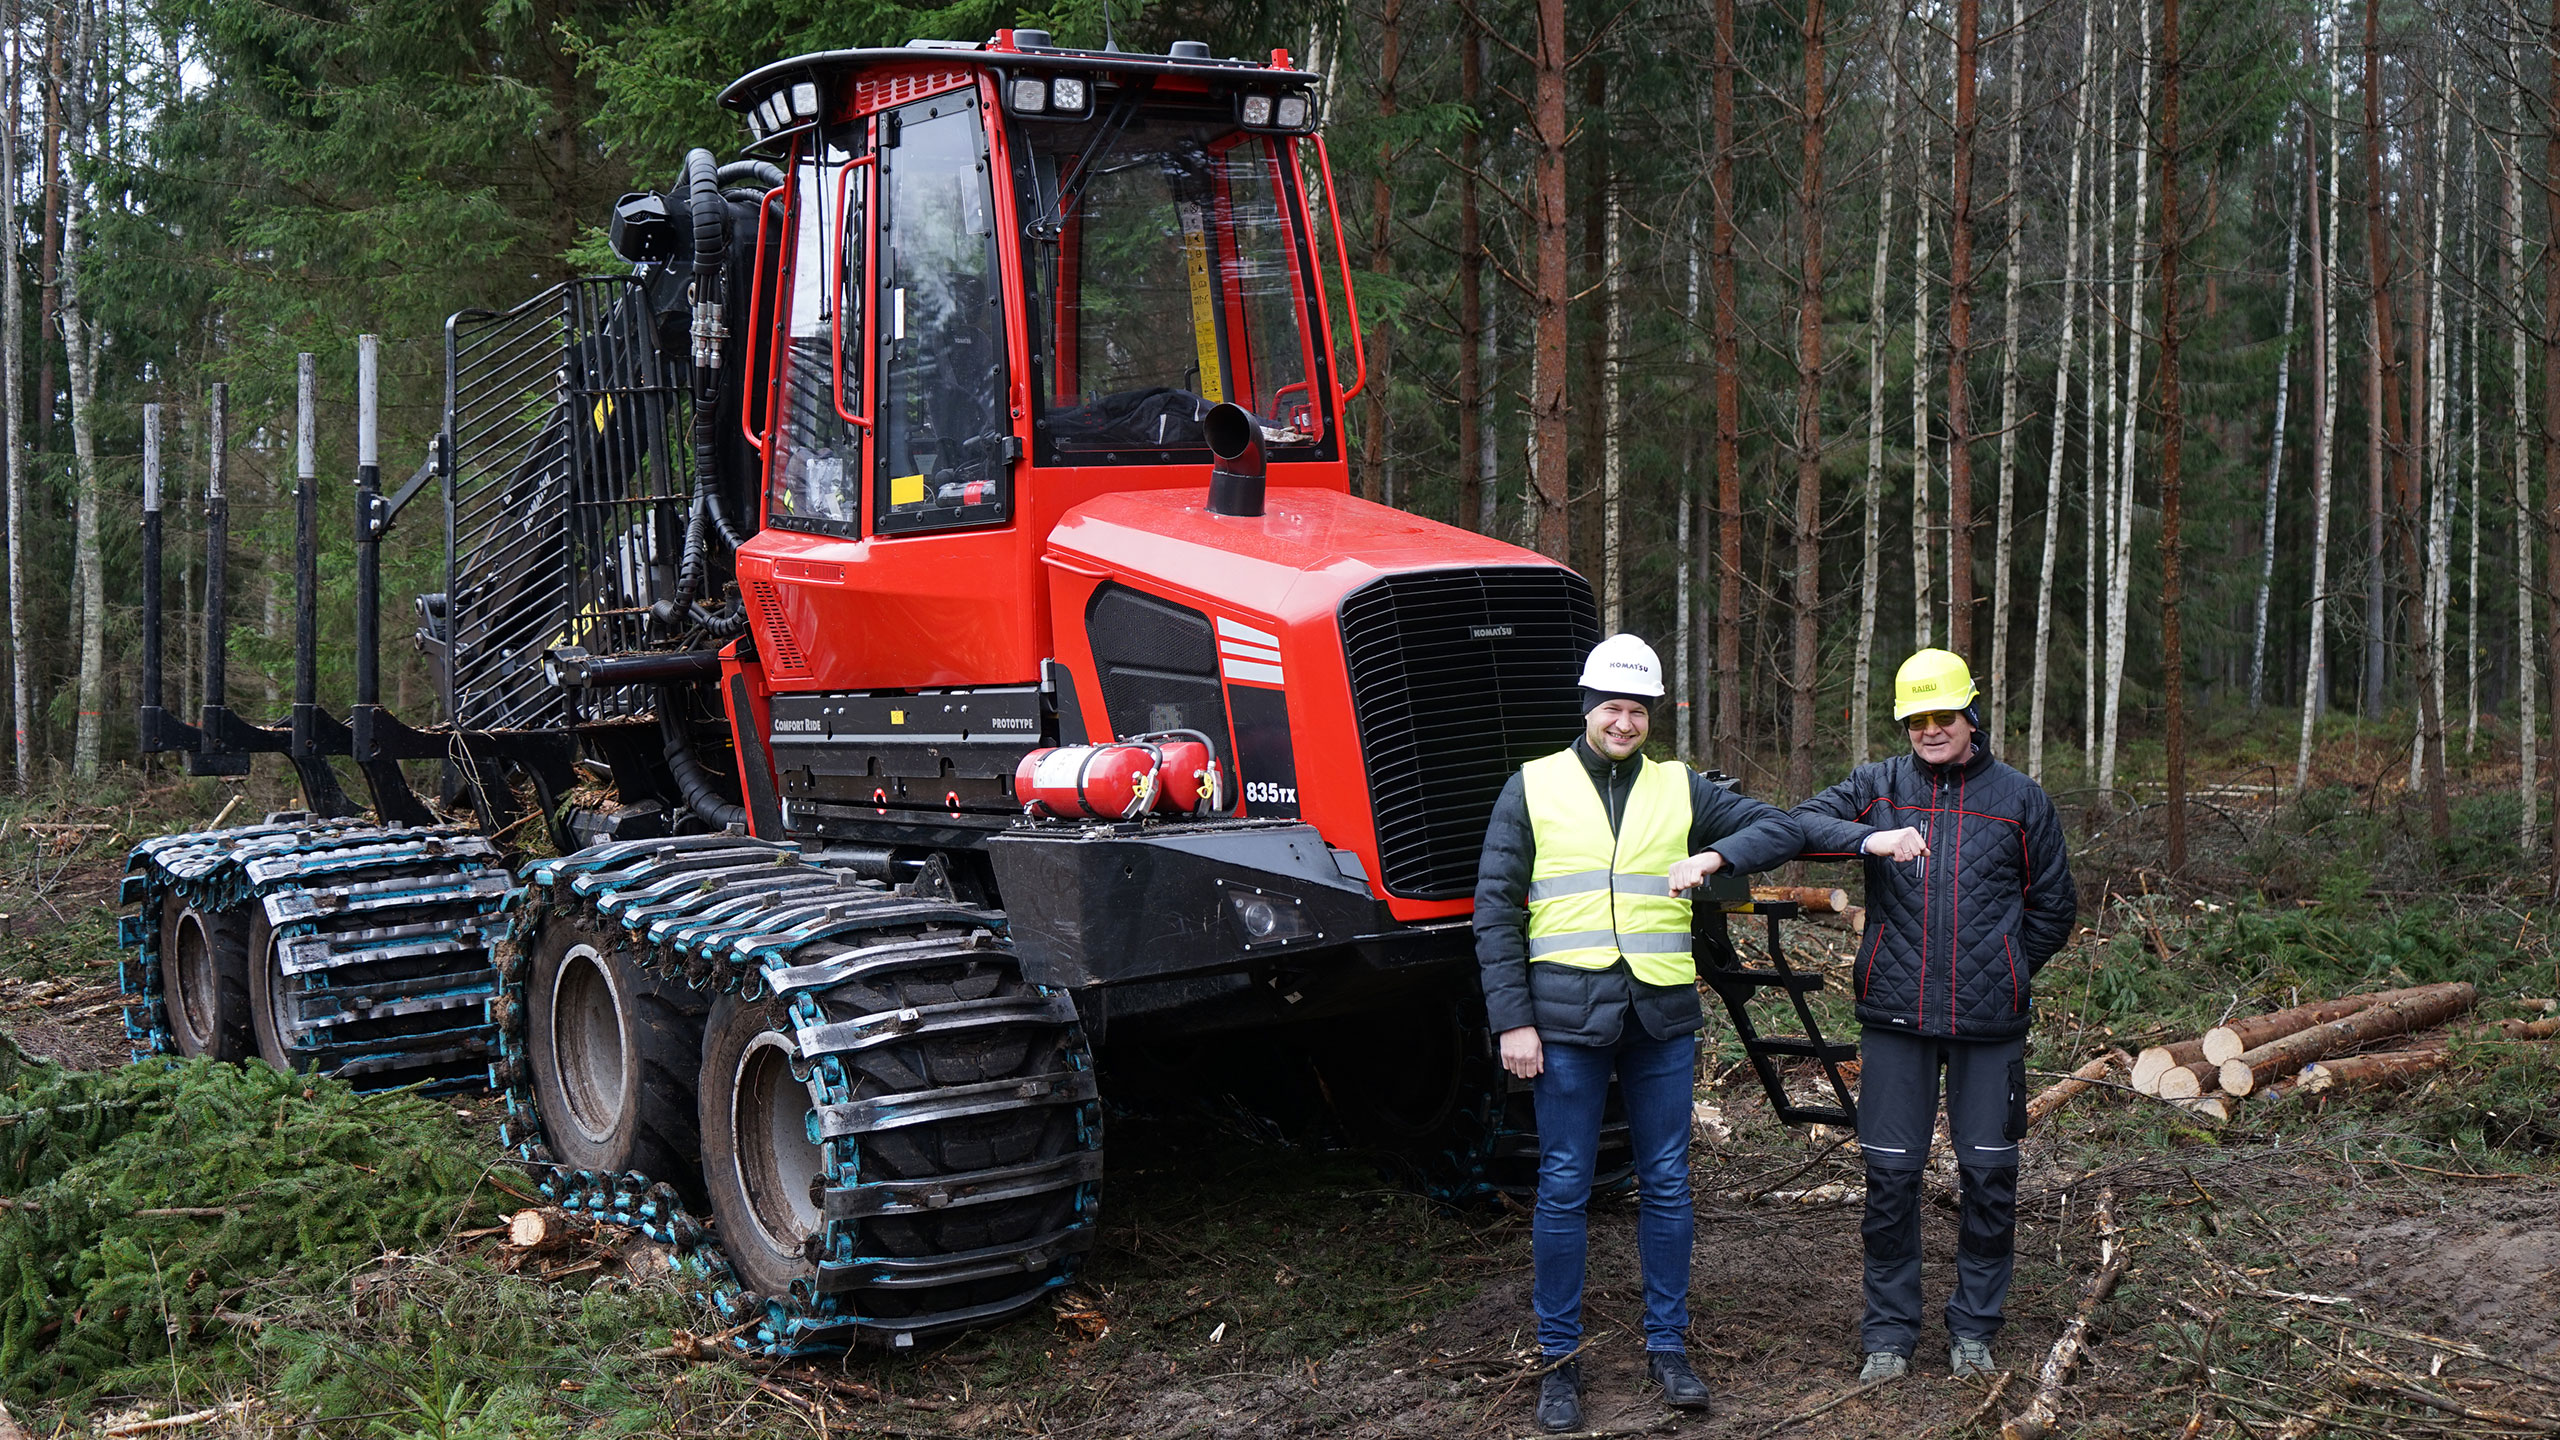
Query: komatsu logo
point(1263, 792)
point(1488, 632)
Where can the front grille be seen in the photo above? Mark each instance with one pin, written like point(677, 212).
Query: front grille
point(1458, 678)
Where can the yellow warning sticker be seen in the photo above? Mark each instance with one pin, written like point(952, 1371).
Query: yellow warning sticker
point(906, 489)
point(897, 717)
point(1204, 304)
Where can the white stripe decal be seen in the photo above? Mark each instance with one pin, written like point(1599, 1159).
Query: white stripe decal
point(1247, 670)
point(1238, 650)
point(1229, 629)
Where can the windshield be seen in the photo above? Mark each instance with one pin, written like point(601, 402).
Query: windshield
point(1166, 276)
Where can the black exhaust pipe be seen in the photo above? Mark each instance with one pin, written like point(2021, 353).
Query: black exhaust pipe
point(1235, 480)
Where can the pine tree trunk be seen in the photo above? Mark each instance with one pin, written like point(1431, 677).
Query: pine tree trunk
point(1471, 328)
point(1701, 554)
point(2512, 272)
point(1554, 288)
point(2551, 428)
point(1488, 446)
point(13, 422)
point(1726, 339)
point(2004, 529)
point(1921, 631)
point(2061, 402)
point(1808, 588)
point(1378, 435)
point(1613, 573)
point(1871, 496)
point(2275, 458)
point(2173, 445)
point(1960, 334)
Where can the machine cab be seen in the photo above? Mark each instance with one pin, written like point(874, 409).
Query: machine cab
point(996, 282)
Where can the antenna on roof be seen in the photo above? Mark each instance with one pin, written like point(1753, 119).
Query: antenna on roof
point(1109, 44)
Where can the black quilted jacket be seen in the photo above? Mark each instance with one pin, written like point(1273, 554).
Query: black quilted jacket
point(1953, 941)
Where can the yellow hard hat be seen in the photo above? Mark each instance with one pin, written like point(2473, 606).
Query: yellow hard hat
point(1932, 680)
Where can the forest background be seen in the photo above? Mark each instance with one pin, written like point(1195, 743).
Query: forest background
point(2153, 354)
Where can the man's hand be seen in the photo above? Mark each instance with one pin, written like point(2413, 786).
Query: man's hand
point(1522, 1055)
point(1687, 873)
point(1905, 844)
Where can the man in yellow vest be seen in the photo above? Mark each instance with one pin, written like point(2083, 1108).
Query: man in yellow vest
point(1582, 940)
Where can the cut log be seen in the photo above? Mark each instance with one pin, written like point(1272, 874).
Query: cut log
point(2216, 1108)
point(2055, 1096)
point(2381, 1068)
point(2159, 1060)
point(2238, 1037)
point(2278, 1058)
point(1812, 899)
point(2527, 1029)
point(2186, 1082)
point(2037, 1420)
point(544, 1228)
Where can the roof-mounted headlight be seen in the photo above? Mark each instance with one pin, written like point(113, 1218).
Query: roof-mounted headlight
point(1049, 97)
point(1291, 112)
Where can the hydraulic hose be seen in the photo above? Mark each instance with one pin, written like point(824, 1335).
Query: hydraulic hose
point(700, 796)
point(710, 215)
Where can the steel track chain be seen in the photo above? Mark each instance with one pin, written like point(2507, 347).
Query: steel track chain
point(383, 936)
point(763, 921)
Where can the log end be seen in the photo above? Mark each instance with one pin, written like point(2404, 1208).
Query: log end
point(2149, 1066)
point(2178, 1083)
point(2238, 1077)
point(2222, 1043)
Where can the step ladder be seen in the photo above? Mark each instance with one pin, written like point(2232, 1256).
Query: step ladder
point(1721, 966)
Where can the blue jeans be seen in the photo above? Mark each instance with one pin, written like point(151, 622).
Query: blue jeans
point(1657, 1079)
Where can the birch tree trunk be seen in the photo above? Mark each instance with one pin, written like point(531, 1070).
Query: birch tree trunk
point(2550, 420)
point(2004, 528)
point(80, 346)
point(2511, 163)
point(2275, 457)
point(1488, 447)
point(2173, 437)
point(2120, 582)
point(2324, 338)
point(1698, 545)
point(2437, 572)
point(2106, 305)
point(2061, 401)
point(1920, 628)
point(13, 371)
point(2471, 440)
point(1808, 587)
point(1871, 497)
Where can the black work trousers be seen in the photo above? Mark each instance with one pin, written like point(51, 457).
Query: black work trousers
point(1897, 1113)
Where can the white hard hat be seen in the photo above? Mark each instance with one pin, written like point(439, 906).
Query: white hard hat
point(1623, 665)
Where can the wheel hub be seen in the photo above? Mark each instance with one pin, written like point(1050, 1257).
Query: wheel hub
point(587, 1043)
point(775, 1158)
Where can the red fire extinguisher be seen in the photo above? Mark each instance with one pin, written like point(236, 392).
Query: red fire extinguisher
point(1174, 772)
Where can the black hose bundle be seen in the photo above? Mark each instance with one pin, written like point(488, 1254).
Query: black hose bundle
point(692, 782)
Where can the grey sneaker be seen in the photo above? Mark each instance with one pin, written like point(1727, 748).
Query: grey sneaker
point(1969, 1357)
point(1884, 1365)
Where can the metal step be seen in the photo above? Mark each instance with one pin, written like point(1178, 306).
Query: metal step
point(1721, 968)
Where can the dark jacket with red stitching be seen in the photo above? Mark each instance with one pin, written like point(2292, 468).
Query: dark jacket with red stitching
point(1952, 940)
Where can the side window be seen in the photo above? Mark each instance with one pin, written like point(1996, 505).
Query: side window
point(816, 465)
point(945, 445)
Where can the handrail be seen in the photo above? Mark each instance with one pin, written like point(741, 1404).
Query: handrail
point(755, 307)
point(1342, 260)
point(835, 332)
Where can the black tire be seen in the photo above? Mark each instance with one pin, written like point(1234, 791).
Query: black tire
point(267, 991)
point(204, 979)
point(758, 1172)
point(615, 1054)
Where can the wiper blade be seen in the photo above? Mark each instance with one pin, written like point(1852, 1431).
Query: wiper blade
point(1051, 223)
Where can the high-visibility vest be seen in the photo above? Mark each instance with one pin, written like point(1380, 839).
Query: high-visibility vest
point(1595, 895)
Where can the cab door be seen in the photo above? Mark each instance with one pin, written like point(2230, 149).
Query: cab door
point(896, 558)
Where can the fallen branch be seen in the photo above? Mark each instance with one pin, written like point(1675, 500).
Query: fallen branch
point(2113, 1254)
point(2409, 1390)
point(173, 1422)
point(1990, 1402)
point(2238, 1037)
point(1843, 1398)
point(2054, 1097)
point(2276, 1059)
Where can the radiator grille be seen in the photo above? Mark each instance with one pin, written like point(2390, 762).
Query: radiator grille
point(764, 604)
point(1458, 678)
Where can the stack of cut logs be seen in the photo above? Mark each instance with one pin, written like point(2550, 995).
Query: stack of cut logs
point(2321, 1045)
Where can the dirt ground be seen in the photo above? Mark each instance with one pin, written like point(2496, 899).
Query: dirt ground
point(2294, 1265)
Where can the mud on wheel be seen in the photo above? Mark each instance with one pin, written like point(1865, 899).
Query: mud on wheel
point(898, 1134)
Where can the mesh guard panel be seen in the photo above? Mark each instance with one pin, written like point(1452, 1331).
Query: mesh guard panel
point(1458, 678)
point(1158, 663)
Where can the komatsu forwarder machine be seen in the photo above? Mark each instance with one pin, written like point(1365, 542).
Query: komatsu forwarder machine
point(922, 608)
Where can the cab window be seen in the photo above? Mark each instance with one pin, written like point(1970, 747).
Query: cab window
point(945, 444)
point(816, 465)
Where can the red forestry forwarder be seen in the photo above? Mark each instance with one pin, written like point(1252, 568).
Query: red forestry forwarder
point(924, 602)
